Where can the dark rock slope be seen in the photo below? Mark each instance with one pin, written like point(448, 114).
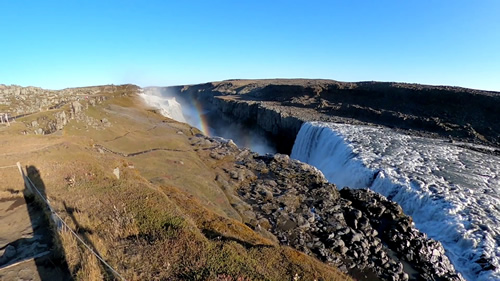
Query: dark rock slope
point(281, 106)
point(358, 231)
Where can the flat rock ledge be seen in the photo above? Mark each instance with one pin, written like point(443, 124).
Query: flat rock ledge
point(356, 230)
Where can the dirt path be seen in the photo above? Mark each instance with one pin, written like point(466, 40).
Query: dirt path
point(26, 239)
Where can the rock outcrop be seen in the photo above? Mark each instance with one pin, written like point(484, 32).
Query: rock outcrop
point(281, 106)
point(280, 201)
point(51, 110)
point(359, 231)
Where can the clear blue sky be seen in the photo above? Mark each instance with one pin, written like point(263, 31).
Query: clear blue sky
point(58, 44)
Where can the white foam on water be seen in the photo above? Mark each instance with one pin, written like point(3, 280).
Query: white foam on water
point(452, 194)
point(168, 106)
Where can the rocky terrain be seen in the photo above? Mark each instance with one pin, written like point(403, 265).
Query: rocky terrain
point(281, 106)
point(18, 102)
point(136, 185)
point(358, 231)
point(137, 189)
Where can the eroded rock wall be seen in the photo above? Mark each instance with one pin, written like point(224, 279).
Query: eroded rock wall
point(359, 231)
point(47, 111)
point(281, 106)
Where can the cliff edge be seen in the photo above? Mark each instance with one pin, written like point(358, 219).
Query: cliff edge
point(157, 199)
point(280, 106)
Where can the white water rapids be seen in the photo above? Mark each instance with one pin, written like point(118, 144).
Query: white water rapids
point(168, 106)
point(452, 194)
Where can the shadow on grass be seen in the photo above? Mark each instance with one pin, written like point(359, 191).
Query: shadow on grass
point(83, 233)
point(216, 236)
point(43, 247)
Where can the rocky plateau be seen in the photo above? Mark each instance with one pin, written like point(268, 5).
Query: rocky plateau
point(282, 200)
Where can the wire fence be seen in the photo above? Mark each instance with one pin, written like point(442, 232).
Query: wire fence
point(58, 221)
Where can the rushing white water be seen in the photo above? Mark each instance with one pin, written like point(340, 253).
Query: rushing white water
point(453, 194)
point(168, 106)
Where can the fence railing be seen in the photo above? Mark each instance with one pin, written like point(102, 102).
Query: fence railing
point(60, 224)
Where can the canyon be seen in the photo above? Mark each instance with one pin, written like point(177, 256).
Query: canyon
point(230, 199)
point(280, 107)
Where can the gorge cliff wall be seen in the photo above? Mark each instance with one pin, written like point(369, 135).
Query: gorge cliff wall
point(281, 106)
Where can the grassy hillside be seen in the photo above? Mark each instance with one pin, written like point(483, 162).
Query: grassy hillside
point(164, 218)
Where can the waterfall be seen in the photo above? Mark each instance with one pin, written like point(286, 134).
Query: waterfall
point(322, 147)
point(452, 194)
point(168, 106)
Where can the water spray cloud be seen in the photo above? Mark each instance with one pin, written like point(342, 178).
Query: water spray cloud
point(207, 120)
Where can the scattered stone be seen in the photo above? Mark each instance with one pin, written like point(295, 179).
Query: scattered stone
point(10, 252)
point(356, 230)
point(231, 144)
point(116, 172)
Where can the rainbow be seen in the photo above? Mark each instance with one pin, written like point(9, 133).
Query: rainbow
point(201, 121)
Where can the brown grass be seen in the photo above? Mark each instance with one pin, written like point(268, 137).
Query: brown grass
point(162, 220)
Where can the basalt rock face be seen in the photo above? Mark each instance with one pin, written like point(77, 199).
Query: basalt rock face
point(280, 106)
point(21, 101)
point(49, 111)
point(281, 123)
point(358, 231)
